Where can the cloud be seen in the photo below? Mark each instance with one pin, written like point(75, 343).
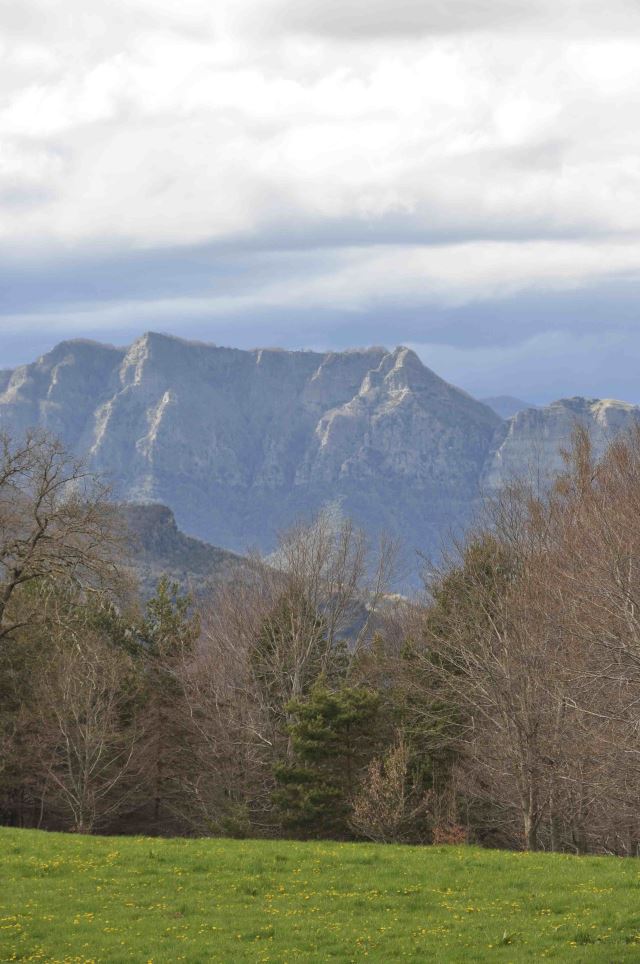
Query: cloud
point(543, 367)
point(363, 19)
point(438, 139)
point(409, 168)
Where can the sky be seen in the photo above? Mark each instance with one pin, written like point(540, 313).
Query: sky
point(461, 176)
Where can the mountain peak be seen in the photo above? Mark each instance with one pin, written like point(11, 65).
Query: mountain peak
point(406, 358)
point(240, 443)
point(78, 347)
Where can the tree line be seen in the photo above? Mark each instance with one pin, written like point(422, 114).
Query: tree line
point(302, 699)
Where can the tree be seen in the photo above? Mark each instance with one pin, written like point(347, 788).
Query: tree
point(534, 640)
point(593, 586)
point(333, 738)
point(168, 635)
point(19, 662)
point(85, 729)
point(489, 651)
point(280, 671)
point(55, 524)
point(391, 805)
point(308, 610)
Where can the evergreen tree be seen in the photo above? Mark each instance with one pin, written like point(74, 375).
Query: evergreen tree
point(168, 635)
point(333, 739)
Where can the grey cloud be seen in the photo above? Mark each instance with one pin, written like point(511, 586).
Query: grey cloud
point(367, 18)
point(29, 16)
point(385, 19)
point(97, 27)
point(201, 292)
point(296, 247)
point(23, 196)
point(564, 175)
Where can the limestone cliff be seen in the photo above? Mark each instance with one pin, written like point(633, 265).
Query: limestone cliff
point(240, 443)
point(530, 444)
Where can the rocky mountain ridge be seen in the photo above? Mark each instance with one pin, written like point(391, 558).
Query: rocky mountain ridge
point(530, 444)
point(156, 547)
point(240, 443)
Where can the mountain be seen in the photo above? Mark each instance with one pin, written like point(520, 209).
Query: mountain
point(157, 548)
point(240, 443)
point(531, 443)
point(506, 405)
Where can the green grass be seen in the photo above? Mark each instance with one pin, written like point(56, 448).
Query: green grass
point(70, 898)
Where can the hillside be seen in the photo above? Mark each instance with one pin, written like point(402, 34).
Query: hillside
point(142, 899)
point(158, 547)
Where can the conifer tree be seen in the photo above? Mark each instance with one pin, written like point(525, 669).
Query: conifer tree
point(333, 740)
point(168, 635)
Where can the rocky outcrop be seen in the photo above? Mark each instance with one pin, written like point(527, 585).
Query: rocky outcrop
point(61, 391)
point(530, 444)
point(404, 423)
point(156, 548)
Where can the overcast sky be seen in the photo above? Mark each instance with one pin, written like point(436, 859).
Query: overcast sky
point(462, 176)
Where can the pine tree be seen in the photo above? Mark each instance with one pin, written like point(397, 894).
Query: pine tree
point(332, 740)
point(168, 635)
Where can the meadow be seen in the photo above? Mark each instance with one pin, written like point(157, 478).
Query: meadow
point(73, 898)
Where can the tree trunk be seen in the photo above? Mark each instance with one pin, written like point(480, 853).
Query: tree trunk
point(530, 819)
point(554, 823)
point(530, 832)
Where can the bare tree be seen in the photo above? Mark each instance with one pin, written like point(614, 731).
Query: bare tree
point(85, 728)
point(593, 580)
point(55, 522)
point(267, 637)
point(491, 655)
point(534, 638)
point(391, 806)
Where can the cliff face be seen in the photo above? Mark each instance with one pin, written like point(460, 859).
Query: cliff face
point(61, 390)
point(240, 443)
point(530, 444)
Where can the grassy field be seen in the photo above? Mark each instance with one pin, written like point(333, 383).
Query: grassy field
point(70, 898)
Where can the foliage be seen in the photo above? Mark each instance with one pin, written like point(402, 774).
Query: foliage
point(332, 738)
point(289, 654)
point(86, 727)
point(168, 634)
point(391, 806)
point(299, 699)
point(56, 526)
point(170, 628)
